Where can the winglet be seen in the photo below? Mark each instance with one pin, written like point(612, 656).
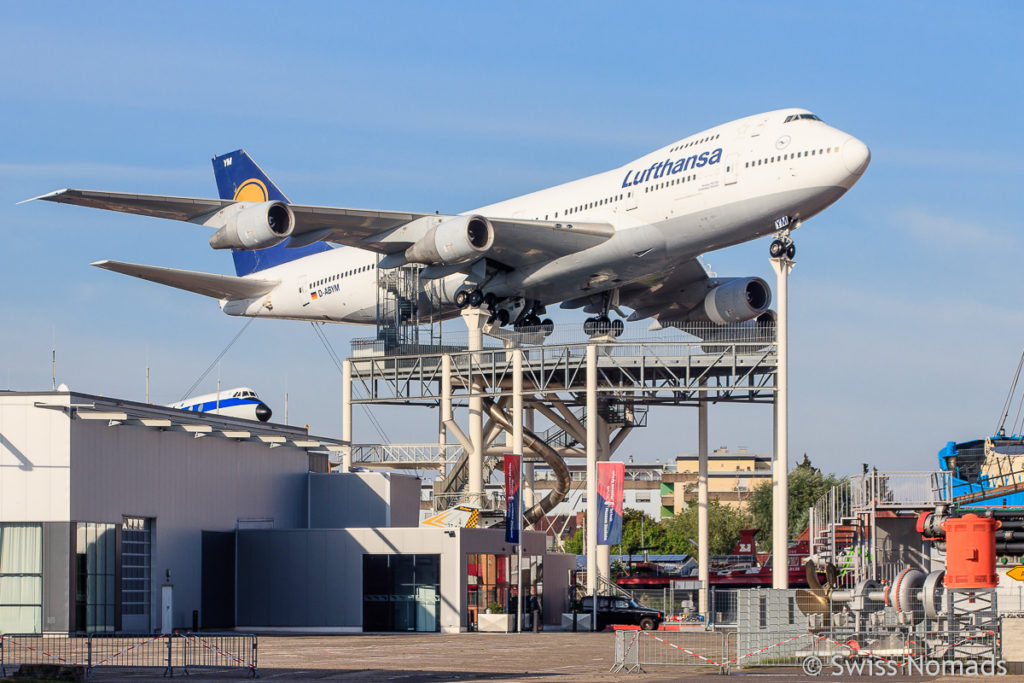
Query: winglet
point(47, 196)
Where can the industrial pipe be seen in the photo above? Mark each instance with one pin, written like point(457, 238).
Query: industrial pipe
point(563, 479)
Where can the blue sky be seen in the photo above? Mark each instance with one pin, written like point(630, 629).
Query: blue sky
point(906, 304)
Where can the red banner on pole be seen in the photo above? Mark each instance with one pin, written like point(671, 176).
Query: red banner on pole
point(610, 479)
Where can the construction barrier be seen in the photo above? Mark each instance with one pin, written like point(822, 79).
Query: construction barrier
point(167, 652)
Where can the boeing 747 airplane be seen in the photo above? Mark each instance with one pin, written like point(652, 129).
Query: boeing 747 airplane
point(626, 238)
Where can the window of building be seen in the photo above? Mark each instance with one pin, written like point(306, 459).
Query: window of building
point(95, 576)
point(21, 578)
point(136, 567)
point(643, 497)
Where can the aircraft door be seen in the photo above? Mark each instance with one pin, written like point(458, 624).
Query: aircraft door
point(304, 290)
point(731, 164)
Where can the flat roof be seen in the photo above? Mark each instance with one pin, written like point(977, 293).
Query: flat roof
point(116, 412)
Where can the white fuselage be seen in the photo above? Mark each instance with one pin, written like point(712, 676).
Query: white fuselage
point(722, 186)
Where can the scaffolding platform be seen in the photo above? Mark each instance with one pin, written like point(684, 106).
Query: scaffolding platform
point(661, 369)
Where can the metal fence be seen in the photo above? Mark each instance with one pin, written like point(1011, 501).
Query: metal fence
point(769, 629)
point(167, 652)
point(693, 646)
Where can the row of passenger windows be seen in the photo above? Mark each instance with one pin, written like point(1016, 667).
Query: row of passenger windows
point(338, 276)
point(786, 157)
point(691, 143)
point(669, 183)
point(591, 205)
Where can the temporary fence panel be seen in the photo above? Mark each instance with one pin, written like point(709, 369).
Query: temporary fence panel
point(220, 651)
point(132, 651)
point(695, 646)
point(31, 648)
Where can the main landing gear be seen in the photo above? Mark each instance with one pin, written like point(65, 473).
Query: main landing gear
point(602, 325)
point(504, 311)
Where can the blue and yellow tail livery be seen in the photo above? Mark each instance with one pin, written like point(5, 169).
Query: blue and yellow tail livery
point(240, 179)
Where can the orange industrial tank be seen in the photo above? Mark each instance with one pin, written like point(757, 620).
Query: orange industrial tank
point(971, 552)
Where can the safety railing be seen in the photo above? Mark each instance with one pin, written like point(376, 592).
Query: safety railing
point(166, 652)
point(746, 334)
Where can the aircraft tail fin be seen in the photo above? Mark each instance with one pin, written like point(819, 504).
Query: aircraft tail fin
point(239, 178)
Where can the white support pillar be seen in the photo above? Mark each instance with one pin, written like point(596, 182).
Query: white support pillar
point(604, 565)
point(475, 318)
point(780, 465)
point(703, 554)
point(346, 415)
point(591, 548)
point(528, 493)
point(517, 402)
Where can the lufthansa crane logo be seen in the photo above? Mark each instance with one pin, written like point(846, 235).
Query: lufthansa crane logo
point(252, 190)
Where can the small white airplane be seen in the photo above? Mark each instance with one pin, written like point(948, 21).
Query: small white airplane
point(239, 402)
point(625, 238)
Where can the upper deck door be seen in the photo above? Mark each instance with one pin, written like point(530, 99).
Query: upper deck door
point(731, 162)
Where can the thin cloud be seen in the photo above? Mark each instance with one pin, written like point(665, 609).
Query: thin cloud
point(947, 232)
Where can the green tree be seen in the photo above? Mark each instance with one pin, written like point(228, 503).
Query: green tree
point(574, 544)
point(724, 526)
point(806, 485)
point(639, 531)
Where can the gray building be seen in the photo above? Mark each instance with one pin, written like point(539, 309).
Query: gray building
point(105, 501)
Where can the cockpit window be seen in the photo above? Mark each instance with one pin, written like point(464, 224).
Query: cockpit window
point(797, 117)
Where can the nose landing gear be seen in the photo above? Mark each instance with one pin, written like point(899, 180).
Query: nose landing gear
point(782, 246)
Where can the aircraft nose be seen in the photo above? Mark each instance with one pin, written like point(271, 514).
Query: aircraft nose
point(856, 156)
point(263, 412)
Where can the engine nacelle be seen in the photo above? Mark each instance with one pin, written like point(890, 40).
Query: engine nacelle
point(737, 299)
point(456, 240)
point(248, 225)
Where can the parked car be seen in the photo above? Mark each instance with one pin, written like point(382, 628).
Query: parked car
point(612, 609)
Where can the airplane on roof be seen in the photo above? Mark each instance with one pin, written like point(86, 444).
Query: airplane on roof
point(238, 402)
point(626, 238)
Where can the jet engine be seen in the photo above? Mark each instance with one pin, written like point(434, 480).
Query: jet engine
point(247, 225)
point(456, 240)
point(736, 300)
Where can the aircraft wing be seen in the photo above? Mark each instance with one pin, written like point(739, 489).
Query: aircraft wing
point(517, 242)
point(207, 284)
point(669, 296)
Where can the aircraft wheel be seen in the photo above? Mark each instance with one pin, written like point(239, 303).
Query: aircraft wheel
point(490, 300)
point(791, 251)
point(491, 318)
point(776, 248)
point(618, 327)
point(462, 298)
point(548, 326)
point(503, 317)
point(590, 326)
point(603, 324)
point(476, 297)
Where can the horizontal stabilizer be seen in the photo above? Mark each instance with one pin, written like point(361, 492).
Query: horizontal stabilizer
point(207, 284)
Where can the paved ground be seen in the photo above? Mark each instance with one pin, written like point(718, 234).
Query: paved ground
point(528, 657)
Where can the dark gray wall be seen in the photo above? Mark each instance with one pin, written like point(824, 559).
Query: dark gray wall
point(362, 500)
point(299, 578)
point(56, 576)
